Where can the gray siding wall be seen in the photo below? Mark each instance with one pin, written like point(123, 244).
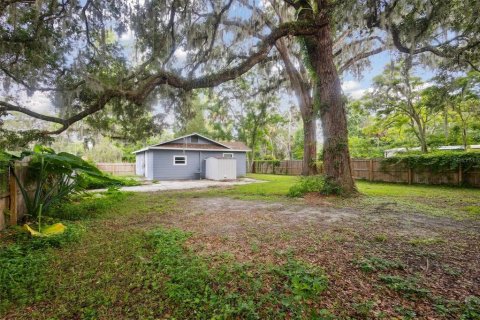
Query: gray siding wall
point(140, 164)
point(149, 165)
point(163, 168)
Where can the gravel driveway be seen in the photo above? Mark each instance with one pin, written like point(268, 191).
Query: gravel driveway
point(184, 184)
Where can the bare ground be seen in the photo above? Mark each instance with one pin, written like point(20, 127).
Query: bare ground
point(442, 254)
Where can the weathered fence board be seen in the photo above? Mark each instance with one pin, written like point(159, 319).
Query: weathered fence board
point(12, 205)
point(119, 169)
point(372, 170)
point(11, 200)
point(285, 167)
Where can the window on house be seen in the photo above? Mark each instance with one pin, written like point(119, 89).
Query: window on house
point(194, 139)
point(228, 155)
point(179, 160)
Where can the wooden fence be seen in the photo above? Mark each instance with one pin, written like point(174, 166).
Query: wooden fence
point(118, 169)
point(287, 167)
point(372, 170)
point(12, 205)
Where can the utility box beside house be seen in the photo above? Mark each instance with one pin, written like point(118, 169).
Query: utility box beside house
point(221, 168)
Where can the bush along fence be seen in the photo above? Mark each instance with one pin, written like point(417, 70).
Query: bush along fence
point(119, 169)
point(454, 169)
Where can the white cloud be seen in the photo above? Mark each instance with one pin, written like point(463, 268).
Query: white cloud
point(181, 54)
point(354, 89)
point(264, 4)
point(40, 102)
point(350, 85)
point(127, 36)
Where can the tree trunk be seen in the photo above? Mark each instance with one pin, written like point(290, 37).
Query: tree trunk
point(302, 91)
point(328, 95)
point(445, 123)
point(422, 135)
point(309, 144)
point(423, 143)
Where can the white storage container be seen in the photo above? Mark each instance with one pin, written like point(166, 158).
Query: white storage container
point(221, 168)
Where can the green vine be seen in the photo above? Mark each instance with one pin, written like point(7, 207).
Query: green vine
point(437, 161)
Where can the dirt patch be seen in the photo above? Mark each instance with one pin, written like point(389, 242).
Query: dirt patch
point(440, 253)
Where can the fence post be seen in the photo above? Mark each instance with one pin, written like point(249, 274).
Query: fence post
point(410, 175)
point(460, 174)
point(370, 170)
point(13, 199)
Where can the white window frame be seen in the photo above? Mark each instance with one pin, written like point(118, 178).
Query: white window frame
point(233, 155)
point(180, 164)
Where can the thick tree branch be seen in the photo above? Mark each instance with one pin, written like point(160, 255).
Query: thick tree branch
point(212, 80)
point(148, 83)
point(363, 55)
point(11, 107)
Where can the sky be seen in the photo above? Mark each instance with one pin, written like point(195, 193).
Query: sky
point(355, 88)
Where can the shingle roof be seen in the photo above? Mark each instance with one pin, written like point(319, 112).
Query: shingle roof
point(193, 146)
point(238, 145)
point(218, 145)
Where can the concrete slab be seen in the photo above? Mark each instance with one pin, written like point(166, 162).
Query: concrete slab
point(184, 185)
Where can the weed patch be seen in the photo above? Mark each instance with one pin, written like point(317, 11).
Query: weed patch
point(302, 280)
point(373, 264)
point(425, 241)
point(24, 275)
point(472, 210)
point(232, 290)
point(407, 286)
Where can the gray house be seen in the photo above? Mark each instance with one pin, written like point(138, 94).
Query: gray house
point(184, 158)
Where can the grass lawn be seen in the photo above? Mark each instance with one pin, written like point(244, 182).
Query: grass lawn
point(249, 252)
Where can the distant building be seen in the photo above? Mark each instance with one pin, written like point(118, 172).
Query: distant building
point(184, 158)
point(392, 152)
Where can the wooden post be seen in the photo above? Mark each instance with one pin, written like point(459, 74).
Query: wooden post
point(13, 199)
point(460, 174)
point(410, 175)
point(370, 170)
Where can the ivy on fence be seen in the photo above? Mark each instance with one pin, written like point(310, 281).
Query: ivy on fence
point(437, 161)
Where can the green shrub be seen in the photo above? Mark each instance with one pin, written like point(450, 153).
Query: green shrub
point(313, 184)
point(89, 182)
point(86, 206)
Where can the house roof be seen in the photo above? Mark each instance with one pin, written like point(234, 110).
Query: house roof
point(236, 145)
point(194, 146)
point(217, 145)
point(189, 135)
